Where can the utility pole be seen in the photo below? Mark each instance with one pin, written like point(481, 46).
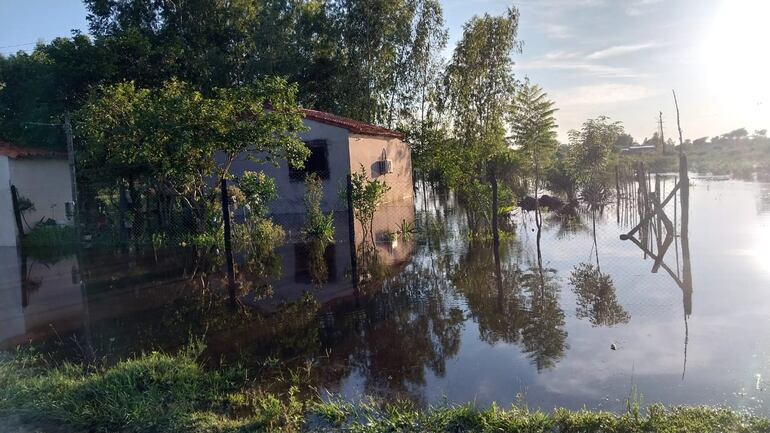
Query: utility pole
point(660, 130)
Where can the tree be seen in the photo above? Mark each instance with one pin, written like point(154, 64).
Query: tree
point(590, 148)
point(737, 134)
point(624, 141)
point(480, 87)
point(169, 136)
point(700, 141)
point(534, 129)
point(416, 103)
point(367, 195)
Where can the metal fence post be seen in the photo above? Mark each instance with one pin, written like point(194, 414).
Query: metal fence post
point(228, 243)
point(16, 210)
point(352, 232)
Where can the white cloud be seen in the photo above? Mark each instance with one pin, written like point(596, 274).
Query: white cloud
point(564, 61)
point(641, 7)
point(619, 50)
point(602, 94)
point(557, 31)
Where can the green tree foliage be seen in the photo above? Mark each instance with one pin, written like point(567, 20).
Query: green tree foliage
point(480, 89)
point(40, 86)
point(367, 195)
point(534, 129)
point(590, 149)
point(169, 137)
point(368, 59)
point(318, 225)
point(258, 191)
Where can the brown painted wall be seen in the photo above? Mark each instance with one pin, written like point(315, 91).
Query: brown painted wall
point(398, 205)
point(366, 151)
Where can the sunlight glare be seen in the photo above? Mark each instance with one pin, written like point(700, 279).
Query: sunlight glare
point(735, 50)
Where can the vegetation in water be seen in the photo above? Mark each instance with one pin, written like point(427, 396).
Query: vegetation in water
point(50, 242)
point(160, 393)
point(367, 195)
point(257, 236)
point(318, 225)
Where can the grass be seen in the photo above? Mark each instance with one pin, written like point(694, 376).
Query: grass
point(173, 393)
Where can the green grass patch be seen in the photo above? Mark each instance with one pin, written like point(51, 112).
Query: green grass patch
point(161, 393)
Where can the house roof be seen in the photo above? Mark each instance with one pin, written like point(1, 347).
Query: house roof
point(18, 152)
point(351, 125)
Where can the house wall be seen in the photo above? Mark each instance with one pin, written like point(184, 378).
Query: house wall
point(398, 204)
point(46, 182)
point(366, 151)
point(7, 222)
point(11, 312)
point(290, 193)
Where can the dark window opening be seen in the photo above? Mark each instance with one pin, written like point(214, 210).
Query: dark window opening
point(317, 162)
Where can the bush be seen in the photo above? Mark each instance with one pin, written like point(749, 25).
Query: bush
point(318, 226)
point(50, 242)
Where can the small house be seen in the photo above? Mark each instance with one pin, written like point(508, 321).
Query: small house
point(42, 185)
point(339, 146)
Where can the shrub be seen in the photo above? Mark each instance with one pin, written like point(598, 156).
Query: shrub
point(50, 242)
point(318, 225)
point(367, 197)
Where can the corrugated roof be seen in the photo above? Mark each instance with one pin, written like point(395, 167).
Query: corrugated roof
point(16, 152)
point(351, 125)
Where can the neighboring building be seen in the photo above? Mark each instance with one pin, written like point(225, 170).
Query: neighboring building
point(42, 177)
point(645, 148)
point(338, 146)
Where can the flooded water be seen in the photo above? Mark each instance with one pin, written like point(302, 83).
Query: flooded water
point(585, 323)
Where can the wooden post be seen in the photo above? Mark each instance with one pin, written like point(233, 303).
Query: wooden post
point(228, 243)
point(352, 233)
point(684, 196)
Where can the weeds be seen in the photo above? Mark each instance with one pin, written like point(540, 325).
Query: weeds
point(173, 393)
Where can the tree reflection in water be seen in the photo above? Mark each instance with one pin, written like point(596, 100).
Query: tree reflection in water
point(523, 310)
point(400, 329)
point(596, 299)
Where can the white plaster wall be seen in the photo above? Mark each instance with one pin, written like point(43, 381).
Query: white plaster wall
point(8, 234)
point(46, 182)
point(12, 322)
point(290, 193)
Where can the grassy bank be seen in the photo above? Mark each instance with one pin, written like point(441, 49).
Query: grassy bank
point(163, 393)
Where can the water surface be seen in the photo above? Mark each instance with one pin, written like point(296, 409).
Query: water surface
point(586, 325)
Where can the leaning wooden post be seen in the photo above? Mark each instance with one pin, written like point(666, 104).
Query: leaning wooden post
point(352, 232)
point(228, 243)
point(684, 182)
point(17, 210)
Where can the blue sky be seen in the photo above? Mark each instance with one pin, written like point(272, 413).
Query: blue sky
point(615, 57)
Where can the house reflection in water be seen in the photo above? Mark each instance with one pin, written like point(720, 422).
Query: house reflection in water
point(327, 275)
point(37, 297)
point(44, 298)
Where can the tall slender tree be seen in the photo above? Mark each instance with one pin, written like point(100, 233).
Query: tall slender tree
point(480, 88)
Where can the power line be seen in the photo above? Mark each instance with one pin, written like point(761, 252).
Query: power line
point(18, 45)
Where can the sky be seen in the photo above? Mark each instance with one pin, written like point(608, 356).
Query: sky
point(619, 58)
